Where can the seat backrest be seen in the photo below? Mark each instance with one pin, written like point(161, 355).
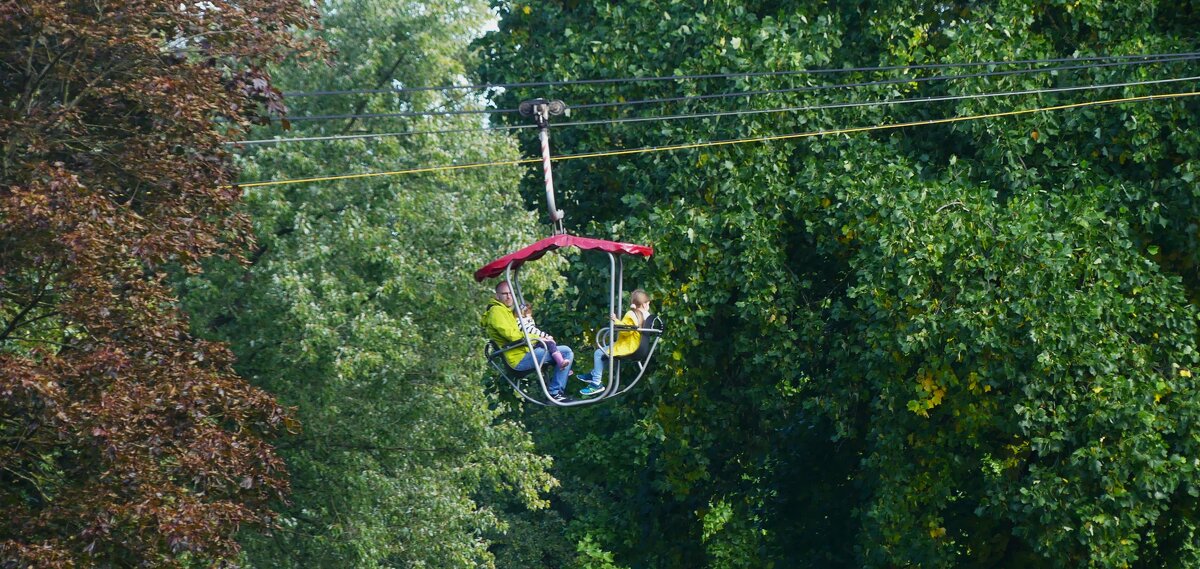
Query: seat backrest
point(490, 351)
point(496, 357)
point(647, 339)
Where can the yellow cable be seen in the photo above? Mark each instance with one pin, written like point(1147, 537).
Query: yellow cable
point(722, 142)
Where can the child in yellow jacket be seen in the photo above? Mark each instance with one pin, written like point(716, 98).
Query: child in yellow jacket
point(627, 342)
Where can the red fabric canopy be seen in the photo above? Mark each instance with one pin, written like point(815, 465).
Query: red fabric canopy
point(535, 251)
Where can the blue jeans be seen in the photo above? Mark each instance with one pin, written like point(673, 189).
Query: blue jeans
point(598, 360)
point(559, 381)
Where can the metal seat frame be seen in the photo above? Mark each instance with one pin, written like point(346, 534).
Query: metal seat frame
point(604, 337)
point(641, 356)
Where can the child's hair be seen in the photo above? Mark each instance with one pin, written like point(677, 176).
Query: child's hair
point(526, 309)
point(638, 296)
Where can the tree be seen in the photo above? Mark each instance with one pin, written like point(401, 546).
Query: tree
point(125, 440)
point(966, 345)
point(359, 309)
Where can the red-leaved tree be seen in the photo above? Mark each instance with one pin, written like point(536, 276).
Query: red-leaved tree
point(124, 440)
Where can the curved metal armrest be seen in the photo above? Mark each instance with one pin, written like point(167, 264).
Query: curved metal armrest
point(509, 347)
point(623, 328)
point(520, 344)
point(602, 334)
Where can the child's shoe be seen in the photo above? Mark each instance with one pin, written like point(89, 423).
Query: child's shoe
point(591, 389)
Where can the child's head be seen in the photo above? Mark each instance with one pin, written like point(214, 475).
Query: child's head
point(527, 310)
point(639, 298)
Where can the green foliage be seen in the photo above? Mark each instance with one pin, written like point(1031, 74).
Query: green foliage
point(592, 556)
point(359, 310)
point(962, 345)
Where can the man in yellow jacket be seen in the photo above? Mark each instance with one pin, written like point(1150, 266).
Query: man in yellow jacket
point(500, 324)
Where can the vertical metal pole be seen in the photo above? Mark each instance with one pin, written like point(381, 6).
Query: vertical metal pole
point(541, 110)
point(612, 326)
point(514, 286)
point(620, 274)
point(621, 286)
point(556, 215)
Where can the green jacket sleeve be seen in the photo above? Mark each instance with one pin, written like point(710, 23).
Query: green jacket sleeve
point(501, 324)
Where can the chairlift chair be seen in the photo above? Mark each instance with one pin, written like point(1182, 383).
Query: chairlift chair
point(509, 266)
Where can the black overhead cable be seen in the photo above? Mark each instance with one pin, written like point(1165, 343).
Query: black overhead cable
point(725, 113)
point(726, 142)
point(377, 135)
point(395, 115)
point(895, 81)
point(809, 88)
point(934, 99)
point(483, 86)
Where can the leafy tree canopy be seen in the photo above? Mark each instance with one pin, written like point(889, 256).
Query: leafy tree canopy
point(958, 345)
point(124, 440)
point(359, 310)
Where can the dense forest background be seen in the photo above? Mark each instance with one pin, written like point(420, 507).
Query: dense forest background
point(954, 345)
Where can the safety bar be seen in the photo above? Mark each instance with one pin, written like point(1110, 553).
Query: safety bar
point(499, 351)
point(601, 333)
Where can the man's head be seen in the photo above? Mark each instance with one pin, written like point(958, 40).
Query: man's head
point(504, 293)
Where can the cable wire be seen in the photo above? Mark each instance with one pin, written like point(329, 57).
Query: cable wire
point(934, 99)
point(653, 149)
point(396, 114)
point(804, 89)
point(377, 135)
point(899, 80)
point(724, 113)
point(482, 86)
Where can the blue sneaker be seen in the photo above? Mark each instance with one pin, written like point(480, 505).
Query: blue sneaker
point(591, 389)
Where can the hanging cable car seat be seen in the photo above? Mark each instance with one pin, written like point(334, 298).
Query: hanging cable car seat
point(503, 355)
point(497, 356)
point(649, 331)
point(500, 324)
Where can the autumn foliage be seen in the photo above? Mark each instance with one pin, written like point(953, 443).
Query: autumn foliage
point(123, 439)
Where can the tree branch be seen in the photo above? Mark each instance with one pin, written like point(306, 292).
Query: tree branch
point(363, 104)
point(16, 320)
point(48, 342)
point(30, 480)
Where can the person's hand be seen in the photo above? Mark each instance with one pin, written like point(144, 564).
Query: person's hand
point(549, 338)
point(614, 318)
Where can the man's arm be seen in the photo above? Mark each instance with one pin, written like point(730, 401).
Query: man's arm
point(504, 324)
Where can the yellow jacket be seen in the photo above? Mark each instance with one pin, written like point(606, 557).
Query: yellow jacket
point(627, 342)
point(500, 324)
